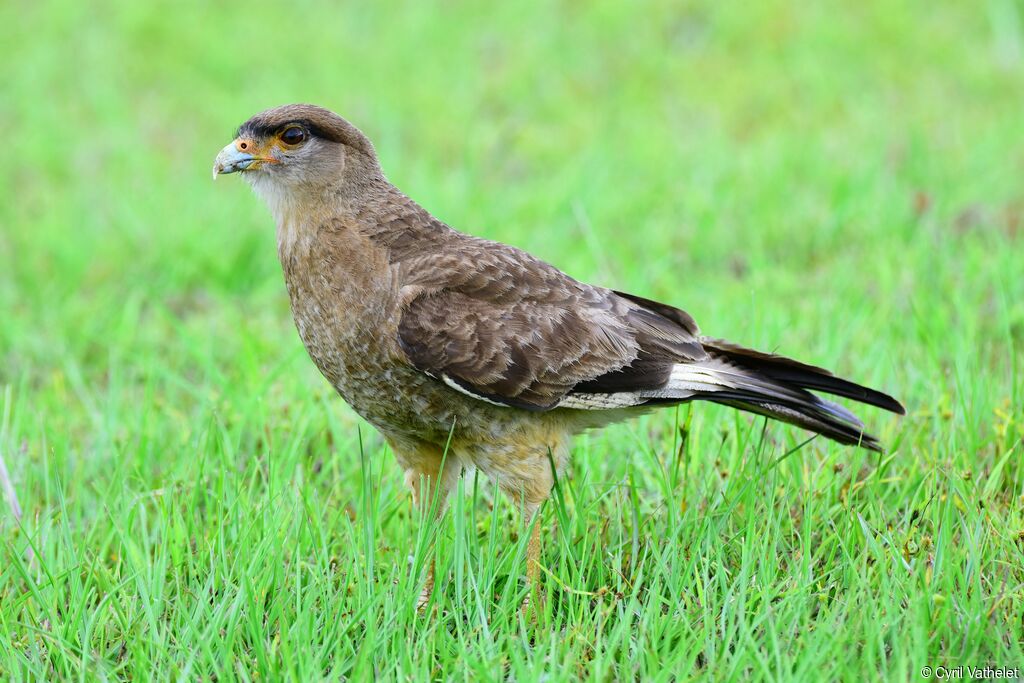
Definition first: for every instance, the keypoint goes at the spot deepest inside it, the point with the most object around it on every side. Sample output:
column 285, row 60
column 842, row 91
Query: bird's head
column 298, row 148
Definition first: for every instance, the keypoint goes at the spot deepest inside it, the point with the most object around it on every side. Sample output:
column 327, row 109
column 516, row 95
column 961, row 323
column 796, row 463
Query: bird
column 466, row 353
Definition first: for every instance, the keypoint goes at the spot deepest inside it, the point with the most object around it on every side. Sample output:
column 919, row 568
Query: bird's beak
column 237, row 156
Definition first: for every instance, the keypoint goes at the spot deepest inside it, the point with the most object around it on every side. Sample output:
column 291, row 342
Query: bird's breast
column 345, row 300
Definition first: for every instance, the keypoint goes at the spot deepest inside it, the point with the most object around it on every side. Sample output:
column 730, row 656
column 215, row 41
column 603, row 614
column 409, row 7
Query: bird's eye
column 293, row 135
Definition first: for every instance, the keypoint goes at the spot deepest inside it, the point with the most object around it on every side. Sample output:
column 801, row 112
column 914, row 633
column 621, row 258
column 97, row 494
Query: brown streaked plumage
column 429, row 333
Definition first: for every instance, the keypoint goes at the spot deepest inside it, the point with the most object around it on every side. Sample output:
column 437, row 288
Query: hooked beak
column 234, row 158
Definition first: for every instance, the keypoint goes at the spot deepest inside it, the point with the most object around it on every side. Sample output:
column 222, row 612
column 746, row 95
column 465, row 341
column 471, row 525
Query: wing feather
column 511, row 329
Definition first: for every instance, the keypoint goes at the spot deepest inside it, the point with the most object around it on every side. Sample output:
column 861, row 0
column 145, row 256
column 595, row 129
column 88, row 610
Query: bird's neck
column 334, row 269
column 299, row 217
column 297, row 224
column 376, row 217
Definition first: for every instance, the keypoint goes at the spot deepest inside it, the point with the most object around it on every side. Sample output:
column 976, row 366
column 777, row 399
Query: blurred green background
column 840, row 182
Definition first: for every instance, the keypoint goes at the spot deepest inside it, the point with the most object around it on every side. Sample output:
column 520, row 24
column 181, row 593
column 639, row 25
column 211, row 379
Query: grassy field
column 837, row 181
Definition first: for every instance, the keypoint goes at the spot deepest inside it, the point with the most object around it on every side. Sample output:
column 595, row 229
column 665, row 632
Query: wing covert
column 497, row 324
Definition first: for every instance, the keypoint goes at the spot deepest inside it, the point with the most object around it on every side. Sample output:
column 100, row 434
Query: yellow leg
column 533, row 556
column 533, row 594
column 527, row 476
column 421, row 503
column 427, row 473
column 428, row 587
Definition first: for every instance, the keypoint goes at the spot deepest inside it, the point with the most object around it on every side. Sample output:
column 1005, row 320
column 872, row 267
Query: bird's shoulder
column 430, row 256
column 495, row 272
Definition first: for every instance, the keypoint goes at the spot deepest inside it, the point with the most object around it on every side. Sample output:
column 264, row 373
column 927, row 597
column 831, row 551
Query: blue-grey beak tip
column 231, row 160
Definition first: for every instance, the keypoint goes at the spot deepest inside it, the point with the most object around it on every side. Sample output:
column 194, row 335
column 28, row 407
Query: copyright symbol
column 926, row 671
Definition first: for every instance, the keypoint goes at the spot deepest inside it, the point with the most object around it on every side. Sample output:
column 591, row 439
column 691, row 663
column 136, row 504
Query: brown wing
column 493, row 322
column 498, row 324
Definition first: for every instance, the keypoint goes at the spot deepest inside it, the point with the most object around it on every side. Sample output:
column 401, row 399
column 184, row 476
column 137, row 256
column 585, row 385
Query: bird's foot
column 424, row 599
column 533, row 604
column 427, row 592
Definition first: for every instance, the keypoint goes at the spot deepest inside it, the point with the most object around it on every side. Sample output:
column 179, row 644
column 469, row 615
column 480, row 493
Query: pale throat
column 287, row 209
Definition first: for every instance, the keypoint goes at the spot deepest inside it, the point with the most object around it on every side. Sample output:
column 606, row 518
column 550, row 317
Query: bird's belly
column 397, row 399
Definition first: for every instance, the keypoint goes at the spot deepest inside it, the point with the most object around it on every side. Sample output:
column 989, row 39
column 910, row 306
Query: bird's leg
column 430, row 475
column 421, row 500
column 531, row 517
column 531, row 520
column 530, row 500
column 530, row 469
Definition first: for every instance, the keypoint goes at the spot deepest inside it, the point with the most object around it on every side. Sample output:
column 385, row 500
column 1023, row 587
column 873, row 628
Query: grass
column 838, row 183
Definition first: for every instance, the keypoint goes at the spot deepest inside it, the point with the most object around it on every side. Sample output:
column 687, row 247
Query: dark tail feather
column 808, row 416
column 795, row 373
column 779, row 388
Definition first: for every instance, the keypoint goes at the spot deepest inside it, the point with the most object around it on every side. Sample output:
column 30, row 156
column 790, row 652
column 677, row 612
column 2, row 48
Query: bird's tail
column 780, row 388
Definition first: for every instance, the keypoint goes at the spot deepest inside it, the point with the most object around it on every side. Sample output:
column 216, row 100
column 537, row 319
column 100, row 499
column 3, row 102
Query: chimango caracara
column 429, row 333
